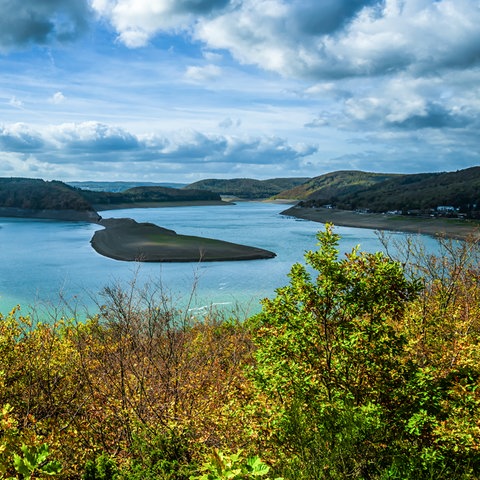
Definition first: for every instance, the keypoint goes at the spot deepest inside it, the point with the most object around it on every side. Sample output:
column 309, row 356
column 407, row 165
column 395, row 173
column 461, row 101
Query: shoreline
column 127, row 240
column 451, row 228
column 99, row 207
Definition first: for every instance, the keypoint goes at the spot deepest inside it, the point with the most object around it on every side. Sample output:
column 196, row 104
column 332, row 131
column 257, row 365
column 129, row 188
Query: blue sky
column 180, row 90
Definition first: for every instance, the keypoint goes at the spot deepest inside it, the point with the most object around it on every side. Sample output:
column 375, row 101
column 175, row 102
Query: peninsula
column 449, row 227
column 126, row 239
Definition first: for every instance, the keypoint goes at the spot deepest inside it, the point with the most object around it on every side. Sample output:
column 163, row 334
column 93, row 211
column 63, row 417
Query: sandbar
column 448, row 227
column 127, row 240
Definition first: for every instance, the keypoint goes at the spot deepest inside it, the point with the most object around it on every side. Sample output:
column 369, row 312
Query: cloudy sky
column 180, row 90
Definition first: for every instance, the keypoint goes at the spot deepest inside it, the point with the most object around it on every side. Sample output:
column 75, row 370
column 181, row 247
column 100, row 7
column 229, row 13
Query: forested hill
column 144, row 195
column 248, row 188
column 37, row 194
column 352, row 190
column 335, row 184
column 27, row 197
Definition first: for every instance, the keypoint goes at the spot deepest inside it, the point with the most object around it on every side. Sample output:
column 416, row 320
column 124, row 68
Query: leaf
column 20, row 466
column 258, row 468
column 52, row 468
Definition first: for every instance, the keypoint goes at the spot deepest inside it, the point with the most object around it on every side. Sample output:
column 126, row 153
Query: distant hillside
column 120, row 186
column 328, row 187
column 248, row 188
column 27, row 197
column 144, row 195
column 36, row 198
column 381, row 193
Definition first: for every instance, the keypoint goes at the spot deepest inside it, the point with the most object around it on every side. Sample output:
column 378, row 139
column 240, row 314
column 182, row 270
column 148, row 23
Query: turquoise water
column 48, row 263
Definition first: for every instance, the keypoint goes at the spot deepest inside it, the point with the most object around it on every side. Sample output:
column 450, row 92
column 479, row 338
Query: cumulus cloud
column 317, row 122
column 136, row 21
column 19, row 137
column 91, row 144
column 196, row 147
column 267, row 150
column 311, row 38
column 415, row 103
column 433, row 115
column 92, row 137
column 335, row 39
column 202, row 74
column 57, row 98
column 190, row 146
column 25, row 22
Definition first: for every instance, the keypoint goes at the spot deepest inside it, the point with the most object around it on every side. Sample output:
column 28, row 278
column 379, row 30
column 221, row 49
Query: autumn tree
column 347, row 391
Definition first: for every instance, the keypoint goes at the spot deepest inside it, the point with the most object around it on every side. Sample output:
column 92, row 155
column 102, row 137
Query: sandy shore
column 452, row 228
column 125, row 239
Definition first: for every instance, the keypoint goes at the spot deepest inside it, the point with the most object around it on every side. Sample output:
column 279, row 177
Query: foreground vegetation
column 363, row 366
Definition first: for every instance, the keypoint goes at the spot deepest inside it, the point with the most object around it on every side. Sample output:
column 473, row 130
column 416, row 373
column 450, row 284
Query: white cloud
column 408, row 102
column 331, row 40
column 309, row 38
column 91, row 146
column 19, row 137
column 202, row 74
column 230, row 123
column 15, row 102
column 57, row 98
column 317, row 122
column 136, row 21
column 92, row 137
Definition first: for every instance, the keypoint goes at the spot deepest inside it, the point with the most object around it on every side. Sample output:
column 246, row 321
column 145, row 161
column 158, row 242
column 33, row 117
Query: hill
column 351, row 190
column 460, row 189
column 119, row 186
column 248, row 188
column 36, row 198
column 27, row 197
column 331, row 185
column 142, row 196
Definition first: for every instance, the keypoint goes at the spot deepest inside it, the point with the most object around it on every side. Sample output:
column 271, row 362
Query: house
column 446, row 208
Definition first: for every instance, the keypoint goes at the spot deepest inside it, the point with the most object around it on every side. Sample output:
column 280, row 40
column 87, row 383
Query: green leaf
column 52, row 468
column 258, row 468
column 20, row 465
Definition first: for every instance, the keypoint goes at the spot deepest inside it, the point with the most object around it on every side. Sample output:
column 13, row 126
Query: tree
column 329, row 361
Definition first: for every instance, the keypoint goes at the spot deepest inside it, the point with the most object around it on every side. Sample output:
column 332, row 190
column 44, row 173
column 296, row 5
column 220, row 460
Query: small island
column 125, row 239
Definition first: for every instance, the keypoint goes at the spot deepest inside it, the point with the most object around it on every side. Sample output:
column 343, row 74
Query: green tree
column 329, row 362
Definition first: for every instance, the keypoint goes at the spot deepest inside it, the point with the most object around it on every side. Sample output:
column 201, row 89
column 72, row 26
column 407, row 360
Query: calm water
column 41, row 261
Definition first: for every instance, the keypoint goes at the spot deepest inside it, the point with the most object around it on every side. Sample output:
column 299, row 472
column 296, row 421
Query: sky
column 183, row 90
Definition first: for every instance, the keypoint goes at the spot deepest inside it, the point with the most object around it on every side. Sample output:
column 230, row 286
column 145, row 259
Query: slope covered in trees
column 54, row 199
column 380, row 193
column 335, row 184
column 248, row 188
column 362, row 366
column 36, row 198
column 39, row 194
column 144, row 195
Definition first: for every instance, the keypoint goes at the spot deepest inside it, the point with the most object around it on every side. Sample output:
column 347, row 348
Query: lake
column 44, row 263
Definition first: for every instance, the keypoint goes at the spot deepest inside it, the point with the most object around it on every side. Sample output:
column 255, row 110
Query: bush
column 346, row 393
